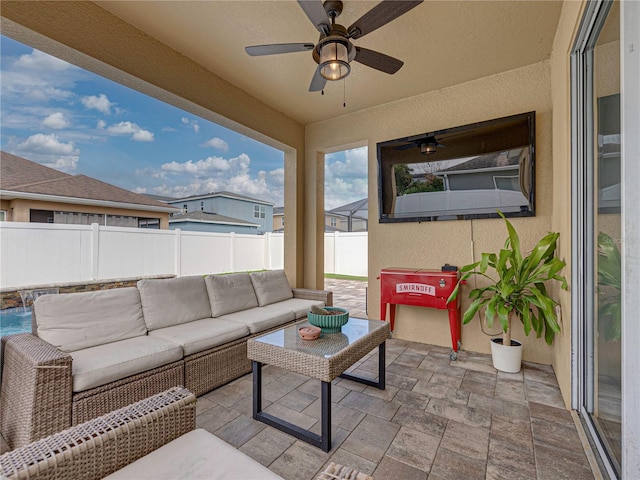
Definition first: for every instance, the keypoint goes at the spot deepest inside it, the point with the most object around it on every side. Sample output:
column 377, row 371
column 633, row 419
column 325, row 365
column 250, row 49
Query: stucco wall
column 430, row 245
column 19, row 210
column 561, row 148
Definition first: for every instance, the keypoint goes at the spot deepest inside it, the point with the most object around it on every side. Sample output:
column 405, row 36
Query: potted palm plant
column 517, row 291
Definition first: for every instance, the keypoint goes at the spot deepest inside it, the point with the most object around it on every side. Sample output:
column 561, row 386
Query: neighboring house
column 211, row 222
column 234, row 207
column 487, row 172
column 352, row 217
column 31, row 192
column 338, row 219
column 278, row 219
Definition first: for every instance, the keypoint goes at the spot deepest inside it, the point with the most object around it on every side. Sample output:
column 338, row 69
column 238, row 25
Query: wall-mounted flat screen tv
column 459, row 173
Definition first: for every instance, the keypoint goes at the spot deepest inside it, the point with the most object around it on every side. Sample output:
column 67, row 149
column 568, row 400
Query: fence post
column 336, row 262
column 177, row 255
column 267, row 251
column 232, row 256
column 95, row 251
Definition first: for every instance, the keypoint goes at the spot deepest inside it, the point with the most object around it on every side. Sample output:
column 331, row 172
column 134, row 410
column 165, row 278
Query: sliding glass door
column 597, row 228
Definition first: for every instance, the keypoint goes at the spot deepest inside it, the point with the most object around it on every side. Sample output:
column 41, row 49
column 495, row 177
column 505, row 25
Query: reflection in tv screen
column 437, row 176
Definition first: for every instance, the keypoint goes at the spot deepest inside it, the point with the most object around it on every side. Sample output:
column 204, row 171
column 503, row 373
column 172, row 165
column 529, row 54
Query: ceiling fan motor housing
column 333, row 8
column 337, row 34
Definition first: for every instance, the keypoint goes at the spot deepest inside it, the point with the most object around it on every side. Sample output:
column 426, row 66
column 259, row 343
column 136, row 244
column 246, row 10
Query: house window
column 259, row 211
column 3, row 215
column 333, row 222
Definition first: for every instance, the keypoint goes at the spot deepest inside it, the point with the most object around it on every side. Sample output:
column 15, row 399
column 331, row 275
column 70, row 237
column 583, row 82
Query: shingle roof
column 492, row 160
column 223, row 193
column 208, row 217
column 21, row 175
column 17, row 171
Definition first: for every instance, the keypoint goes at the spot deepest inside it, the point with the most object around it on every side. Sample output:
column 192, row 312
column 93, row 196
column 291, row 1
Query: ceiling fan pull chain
column 344, row 93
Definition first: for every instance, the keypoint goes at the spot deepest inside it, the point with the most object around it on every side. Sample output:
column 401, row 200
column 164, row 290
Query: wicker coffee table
column 324, row 359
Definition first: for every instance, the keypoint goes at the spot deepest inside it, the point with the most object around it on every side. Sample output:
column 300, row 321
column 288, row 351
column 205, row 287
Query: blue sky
column 70, row 119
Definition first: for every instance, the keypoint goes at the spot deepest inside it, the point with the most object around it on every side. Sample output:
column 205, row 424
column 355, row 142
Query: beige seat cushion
column 271, row 286
column 200, row 335
column 300, row 306
column 173, row 301
column 230, row 293
column 74, row 321
column 100, row 365
column 262, row 318
column 195, row 455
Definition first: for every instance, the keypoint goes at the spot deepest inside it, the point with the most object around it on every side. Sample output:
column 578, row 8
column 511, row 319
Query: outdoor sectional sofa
column 91, row 353
column 150, row 439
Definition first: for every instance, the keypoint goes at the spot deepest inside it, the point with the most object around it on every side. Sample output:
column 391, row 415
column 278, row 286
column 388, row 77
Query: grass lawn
column 345, row 277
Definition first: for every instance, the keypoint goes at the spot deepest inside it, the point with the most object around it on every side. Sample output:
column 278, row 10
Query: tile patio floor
column 436, row 420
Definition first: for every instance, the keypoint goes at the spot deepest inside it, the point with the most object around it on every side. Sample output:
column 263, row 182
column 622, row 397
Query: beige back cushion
column 73, row 321
column 173, row 301
column 230, row 293
column 271, row 286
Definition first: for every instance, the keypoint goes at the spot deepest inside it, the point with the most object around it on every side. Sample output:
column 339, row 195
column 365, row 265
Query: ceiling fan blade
column 317, row 82
column 378, row 60
column 407, row 146
column 276, row 48
column 380, row 15
column 316, row 13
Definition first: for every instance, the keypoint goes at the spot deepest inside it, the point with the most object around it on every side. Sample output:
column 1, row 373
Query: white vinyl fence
column 40, row 253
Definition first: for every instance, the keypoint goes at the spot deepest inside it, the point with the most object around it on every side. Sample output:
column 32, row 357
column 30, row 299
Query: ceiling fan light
column 334, row 61
column 427, row 148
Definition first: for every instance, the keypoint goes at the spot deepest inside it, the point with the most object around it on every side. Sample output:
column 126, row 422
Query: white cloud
column 50, row 151
column 211, row 174
column 47, row 144
column 56, row 120
column 41, row 61
column 128, row 128
column 142, row 136
column 345, row 177
column 100, row 125
column 192, row 123
column 100, row 103
column 218, row 143
column 209, row 165
column 64, row 164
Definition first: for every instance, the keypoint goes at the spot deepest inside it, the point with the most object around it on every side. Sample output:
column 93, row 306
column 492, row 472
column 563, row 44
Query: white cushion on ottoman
column 195, row 455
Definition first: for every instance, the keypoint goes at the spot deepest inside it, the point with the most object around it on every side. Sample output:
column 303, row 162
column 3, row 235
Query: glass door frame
column 582, row 194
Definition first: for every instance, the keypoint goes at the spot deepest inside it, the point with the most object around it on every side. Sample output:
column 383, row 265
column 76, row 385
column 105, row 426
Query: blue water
column 15, row 320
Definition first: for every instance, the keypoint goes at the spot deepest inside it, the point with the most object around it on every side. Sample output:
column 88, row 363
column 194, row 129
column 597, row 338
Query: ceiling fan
column 334, row 50
column 426, row 144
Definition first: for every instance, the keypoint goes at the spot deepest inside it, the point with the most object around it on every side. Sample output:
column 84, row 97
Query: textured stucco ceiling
column 442, row 43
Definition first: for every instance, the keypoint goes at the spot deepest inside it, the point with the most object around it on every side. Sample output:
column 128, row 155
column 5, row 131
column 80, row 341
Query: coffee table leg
column 326, row 416
column 381, row 383
column 322, row 441
column 257, row 388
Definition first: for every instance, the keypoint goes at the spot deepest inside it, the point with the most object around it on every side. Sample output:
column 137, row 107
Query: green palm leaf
column 519, row 287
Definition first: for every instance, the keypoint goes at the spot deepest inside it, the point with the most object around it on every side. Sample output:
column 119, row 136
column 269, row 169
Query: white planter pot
column 506, row 359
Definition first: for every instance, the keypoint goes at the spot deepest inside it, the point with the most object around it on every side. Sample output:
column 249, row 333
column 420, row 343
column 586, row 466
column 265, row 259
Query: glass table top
column 328, row 344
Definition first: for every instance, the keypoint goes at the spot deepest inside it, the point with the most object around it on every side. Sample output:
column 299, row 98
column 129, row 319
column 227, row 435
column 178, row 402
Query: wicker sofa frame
column 103, row 445
column 37, row 400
